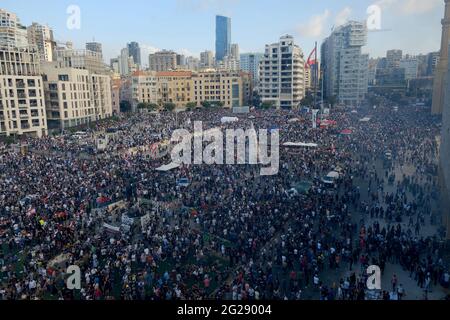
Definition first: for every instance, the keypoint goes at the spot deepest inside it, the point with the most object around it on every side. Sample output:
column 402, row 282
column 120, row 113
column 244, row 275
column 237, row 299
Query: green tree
column 191, row 106
column 125, row 106
column 152, row 107
column 142, row 105
column 206, row 104
column 169, row 106
column 266, row 105
column 308, row 100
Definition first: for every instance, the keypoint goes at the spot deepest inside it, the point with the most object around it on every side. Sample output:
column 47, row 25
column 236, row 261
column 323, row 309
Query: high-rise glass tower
column 223, row 37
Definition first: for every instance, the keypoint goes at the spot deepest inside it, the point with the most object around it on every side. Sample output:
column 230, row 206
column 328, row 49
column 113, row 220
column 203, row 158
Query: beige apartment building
column 75, row 96
column 218, row 86
column 22, row 105
column 175, row 87
column 183, row 87
column 163, row 61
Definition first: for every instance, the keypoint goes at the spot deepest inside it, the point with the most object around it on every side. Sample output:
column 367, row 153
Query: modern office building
column 282, row 74
column 135, row 51
column 344, row 67
column 163, row 61
column 249, row 62
column 22, row 104
column 115, row 65
column 41, row 36
column 223, row 37
column 441, row 70
column 12, row 33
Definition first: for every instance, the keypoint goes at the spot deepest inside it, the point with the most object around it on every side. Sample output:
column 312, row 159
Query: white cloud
column 343, row 16
column 314, row 27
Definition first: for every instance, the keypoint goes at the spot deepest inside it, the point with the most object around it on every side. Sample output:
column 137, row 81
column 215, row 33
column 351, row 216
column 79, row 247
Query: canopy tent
column 300, row 144
column 229, row 120
column 168, row 167
column 365, row 119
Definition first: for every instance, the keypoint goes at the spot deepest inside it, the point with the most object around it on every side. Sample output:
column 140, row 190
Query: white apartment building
column 12, row 33
column 42, row 37
column 22, row 105
column 282, row 74
column 144, row 88
column 345, row 68
column 79, row 88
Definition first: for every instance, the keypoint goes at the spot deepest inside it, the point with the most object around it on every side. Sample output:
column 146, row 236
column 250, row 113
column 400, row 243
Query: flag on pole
column 311, row 61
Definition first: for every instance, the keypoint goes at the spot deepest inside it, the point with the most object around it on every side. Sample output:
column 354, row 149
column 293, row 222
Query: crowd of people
column 229, row 233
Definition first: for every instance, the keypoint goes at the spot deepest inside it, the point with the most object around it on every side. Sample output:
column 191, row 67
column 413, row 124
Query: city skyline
column 196, row 19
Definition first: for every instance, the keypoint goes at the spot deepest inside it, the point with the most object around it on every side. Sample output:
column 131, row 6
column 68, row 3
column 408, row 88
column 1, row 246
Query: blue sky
column 187, row 26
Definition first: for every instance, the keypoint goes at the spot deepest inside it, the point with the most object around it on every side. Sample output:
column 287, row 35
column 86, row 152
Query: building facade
column 95, row 47
column 344, row 67
column 75, row 96
column 42, row 37
column 144, row 88
column 249, row 62
column 163, row 61
column 22, row 104
column 206, row 59
column 445, row 151
column 393, row 58
column 12, row 33
column 135, row 51
column 282, row 74
column 411, row 66
column 223, row 37
column 175, row 87
column 218, row 87
column 441, row 70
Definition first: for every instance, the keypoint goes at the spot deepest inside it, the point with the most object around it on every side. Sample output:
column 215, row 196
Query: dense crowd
column 231, row 233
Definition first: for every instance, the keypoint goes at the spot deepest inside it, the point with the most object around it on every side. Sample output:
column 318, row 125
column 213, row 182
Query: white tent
column 293, row 120
column 300, row 144
column 366, row 119
column 333, row 174
column 229, row 119
column 168, row 167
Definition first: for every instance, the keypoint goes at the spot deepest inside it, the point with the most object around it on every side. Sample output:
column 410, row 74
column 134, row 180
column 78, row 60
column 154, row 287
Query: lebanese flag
column 310, row 60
